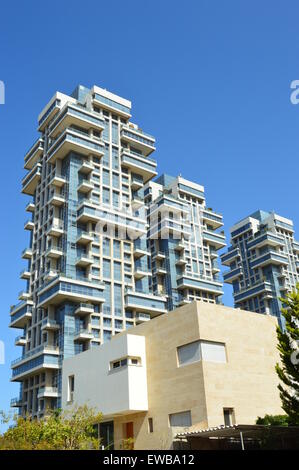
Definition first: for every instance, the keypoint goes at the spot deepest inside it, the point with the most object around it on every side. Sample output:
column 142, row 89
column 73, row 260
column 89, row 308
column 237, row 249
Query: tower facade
column 263, row 262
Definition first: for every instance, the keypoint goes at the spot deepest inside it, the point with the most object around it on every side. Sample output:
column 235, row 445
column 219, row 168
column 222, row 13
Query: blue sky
column 210, row 79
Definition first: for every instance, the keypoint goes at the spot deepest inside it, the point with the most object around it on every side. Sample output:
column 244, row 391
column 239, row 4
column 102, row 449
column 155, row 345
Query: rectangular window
column 71, row 388
column 229, row 416
column 201, row 350
column 182, row 419
column 150, row 425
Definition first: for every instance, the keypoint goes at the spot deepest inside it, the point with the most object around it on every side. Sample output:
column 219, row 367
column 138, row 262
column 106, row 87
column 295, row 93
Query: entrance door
column 107, row 435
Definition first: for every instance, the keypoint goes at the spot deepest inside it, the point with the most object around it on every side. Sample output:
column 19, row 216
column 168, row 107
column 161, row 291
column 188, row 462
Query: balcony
column 254, row 290
column 139, row 164
column 85, row 186
column 137, row 202
column 56, row 229
column 50, row 325
column 29, row 225
column 83, row 335
column 168, row 226
column 20, row 340
column 180, row 261
column 30, row 207
column 50, row 274
column 25, row 274
column 54, row 251
column 296, row 246
column 38, row 359
column 84, row 309
column 200, row 283
column 143, row 302
column 66, row 289
column 57, row 199
column 228, row 257
column 136, row 182
column 215, row 239
column 73, row 141
column 27, row 253
column 180, row 246
column 213, row 219
column 31, row 180
column 140, row 249
column 83, row 260
column 34, row 154
column 138, row 139
column 161, row 270
column 271, row 257
column 142, row 317
column 58, row 180
column 20, row 314
column 265, row 239
column 49, row 114
column 232, row 275
column 86, row 167
column 73, row 115
column 111, row 105
column 23, row 295
column 48, row 392
column 84, row 237
column 16, row 402
column 160, row 255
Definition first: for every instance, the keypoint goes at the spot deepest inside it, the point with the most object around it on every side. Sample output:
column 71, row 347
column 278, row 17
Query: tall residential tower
column 92, row 266
column 263, row 262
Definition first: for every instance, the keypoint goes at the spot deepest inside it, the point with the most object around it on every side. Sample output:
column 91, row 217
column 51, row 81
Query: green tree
column 75, row 429
column 273, row 420
column 288, row 370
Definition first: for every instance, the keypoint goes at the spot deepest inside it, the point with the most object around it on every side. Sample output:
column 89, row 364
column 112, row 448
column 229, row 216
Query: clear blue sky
column 210, row 79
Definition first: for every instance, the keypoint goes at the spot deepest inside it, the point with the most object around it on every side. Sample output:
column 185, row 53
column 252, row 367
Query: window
column 229, row 416
column 201, row 350
column 71, row 388
column 150, row 425
column 189, row 353
column 182, row 419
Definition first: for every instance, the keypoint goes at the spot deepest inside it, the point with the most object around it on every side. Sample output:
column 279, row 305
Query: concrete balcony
column 180, row 261
column 16, row 402
column 27, row 253
column 145, row 303
column 74, row 141
column 50, row 274
column 34, row 154
column 263, row 287
column 83, row 336
column 58, row 180
column 76, row 116
column 50, row 325
column 180, row 246
column 63, row 289
column 20, row 340
column 85, row 186
column 29, row 225
column 86, row 167
column 25, row 274
column 141, row 318
column 84, row 309
column 214, row 238
column 23, row 295
column 161, row 270
column 136, row 182
column 20, row 314
column 57, row 199
column 56, row 229
column 30, row 207
column 265, row 239
column 271, row 257
column 84, row 237
column 83, row 260
column 228, row 257
column 111, row 105
column 48, row 392
column 138, row 139
column 212, row 219
column 159, row 256
column 54, row 251
column 137, row 202
column 31, row 180
column 233, row 274
column 199, row 283
column 139, row 164
column 140, row 273
column 49, row 113
column 38, row 360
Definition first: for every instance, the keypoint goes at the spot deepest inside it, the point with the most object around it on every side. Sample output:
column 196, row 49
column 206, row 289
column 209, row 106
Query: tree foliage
column 288, row 344
column 74, row 429
column 273, row 420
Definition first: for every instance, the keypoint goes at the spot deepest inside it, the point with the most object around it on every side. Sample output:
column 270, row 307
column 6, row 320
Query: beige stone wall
column 247, row 382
